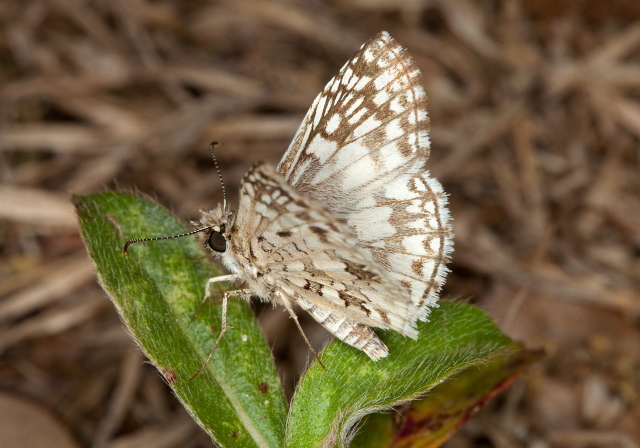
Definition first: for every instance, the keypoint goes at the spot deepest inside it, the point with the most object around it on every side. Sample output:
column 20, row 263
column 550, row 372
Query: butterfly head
column 216, row 224
column 215, row 236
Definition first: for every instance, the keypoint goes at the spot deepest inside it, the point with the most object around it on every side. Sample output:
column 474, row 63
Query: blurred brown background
column 535, row 109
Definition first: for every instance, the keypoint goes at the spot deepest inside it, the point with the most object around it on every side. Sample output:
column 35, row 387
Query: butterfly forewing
column 361, row 151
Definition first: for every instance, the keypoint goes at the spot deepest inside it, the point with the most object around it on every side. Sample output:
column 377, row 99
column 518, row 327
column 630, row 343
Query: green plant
column 459, row 360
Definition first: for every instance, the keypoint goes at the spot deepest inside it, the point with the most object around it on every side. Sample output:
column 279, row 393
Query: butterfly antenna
column 215, row 162
column 142, row 240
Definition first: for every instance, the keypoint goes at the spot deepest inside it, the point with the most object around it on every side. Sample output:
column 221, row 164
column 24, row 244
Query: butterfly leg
column 288, row 307
column 221, row 278
column 207, row 289
column 223, row 327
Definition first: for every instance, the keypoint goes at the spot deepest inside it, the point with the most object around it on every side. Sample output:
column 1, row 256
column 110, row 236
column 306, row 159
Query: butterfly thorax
column 216, row 239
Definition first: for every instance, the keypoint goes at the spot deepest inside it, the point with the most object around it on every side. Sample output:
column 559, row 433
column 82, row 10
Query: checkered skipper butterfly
column 349, row 226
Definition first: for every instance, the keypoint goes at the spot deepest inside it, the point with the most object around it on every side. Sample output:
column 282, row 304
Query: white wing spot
column 333, row 124
column 354, row 176
column 354, row 106
column 381, row 97
column 382, row 80
column 362, row 82
column 357, row 116
column 366, row 126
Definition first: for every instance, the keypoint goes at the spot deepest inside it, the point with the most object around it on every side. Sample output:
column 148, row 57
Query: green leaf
column 157, row 290
column 330, row 402
column 431, row 420
column 377, row 431
column 460, row 360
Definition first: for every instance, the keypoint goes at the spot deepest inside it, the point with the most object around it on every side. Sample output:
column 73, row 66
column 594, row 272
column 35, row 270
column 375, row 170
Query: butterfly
column 350, row 226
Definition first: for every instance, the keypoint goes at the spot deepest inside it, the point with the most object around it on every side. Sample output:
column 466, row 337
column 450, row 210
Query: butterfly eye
column 217, row 242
